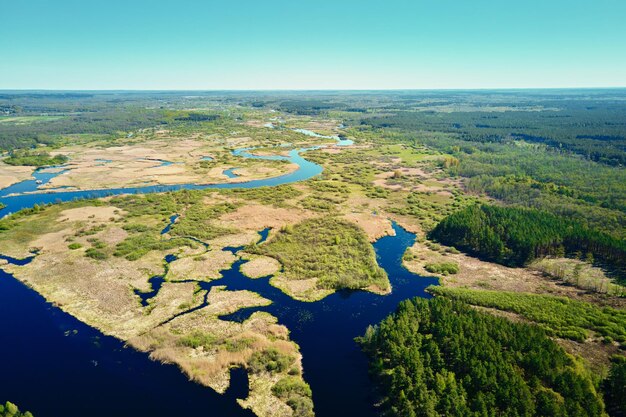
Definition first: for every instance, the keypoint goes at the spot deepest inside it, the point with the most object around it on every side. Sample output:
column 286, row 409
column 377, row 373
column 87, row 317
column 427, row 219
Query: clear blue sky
column 311, row 44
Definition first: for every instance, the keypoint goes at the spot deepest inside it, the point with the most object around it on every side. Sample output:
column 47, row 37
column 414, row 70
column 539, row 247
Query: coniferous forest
column 516, row 236
column 442, row 357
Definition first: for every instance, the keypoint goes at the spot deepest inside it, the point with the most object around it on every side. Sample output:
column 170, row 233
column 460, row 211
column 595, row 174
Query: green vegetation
column 197, row 338
column 36, row 158
column 137, row 245
column 614, row 387
column 71, row 114
column 516, row 236
column 579, row 274
column 96, row 254
column 553, row 160
column 572, row 125
column 197, row 221
column 297, row 394
column 558, row 316
column 444, row 268
column 560, row 153
column 441, row 357
column 332, row 250
column 11, row 410
column 270, row 360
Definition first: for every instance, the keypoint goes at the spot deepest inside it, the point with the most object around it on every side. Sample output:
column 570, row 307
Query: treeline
column 515, row 236
column 614, row 387
column 102, row 122
column 584, row 127
column 558, row 316
column 442, row 357
column 44, row 118
column 308, row 107
column 36, row 158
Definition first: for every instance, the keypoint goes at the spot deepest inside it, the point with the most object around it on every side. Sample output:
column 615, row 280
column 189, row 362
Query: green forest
column 441, row 357
column 516, row 236
column 558, row 316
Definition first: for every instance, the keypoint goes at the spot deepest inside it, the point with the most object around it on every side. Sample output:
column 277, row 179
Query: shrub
column 11, row 410
column 197, row 339
column 95, row 254
column 443, row 268
column 270, row 360
column 297, row 395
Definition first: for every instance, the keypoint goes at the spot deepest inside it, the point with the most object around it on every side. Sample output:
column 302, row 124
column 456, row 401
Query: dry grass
column 259, row 266
column 139, row 163
column 477, row 274
column 302, row 289
column 210, row 365
column 204, row 267
column 579, row 274
column 10, row 174
column 90, row 214
column 374, row 226
column 257, row 217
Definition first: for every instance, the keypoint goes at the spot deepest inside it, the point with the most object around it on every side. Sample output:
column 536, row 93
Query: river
column 56, row 366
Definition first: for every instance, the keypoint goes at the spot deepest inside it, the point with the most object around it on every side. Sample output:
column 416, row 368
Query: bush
column 197, row 339
column 270, row 360
column 74, row 246
column 297, row 395
column 95, row 254
column 443, row 268
column 36, row 158
column 11, row 410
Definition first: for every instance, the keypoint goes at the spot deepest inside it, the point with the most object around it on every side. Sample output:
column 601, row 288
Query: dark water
column 325, row 330
column 56, row 366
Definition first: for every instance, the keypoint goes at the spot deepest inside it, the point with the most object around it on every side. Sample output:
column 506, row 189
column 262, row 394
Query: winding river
column 56, row 366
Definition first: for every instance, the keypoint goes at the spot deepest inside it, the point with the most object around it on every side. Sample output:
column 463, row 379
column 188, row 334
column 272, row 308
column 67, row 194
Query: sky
column 311, row 44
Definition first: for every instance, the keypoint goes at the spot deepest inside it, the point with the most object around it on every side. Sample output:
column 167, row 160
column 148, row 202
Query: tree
column 614, row 388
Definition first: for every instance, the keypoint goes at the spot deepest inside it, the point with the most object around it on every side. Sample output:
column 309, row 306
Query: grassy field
column 332, row 251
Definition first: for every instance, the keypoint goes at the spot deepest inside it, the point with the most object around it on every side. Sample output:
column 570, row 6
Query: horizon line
column 4, row 90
